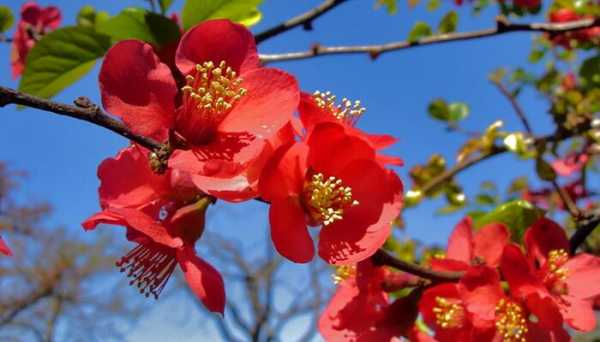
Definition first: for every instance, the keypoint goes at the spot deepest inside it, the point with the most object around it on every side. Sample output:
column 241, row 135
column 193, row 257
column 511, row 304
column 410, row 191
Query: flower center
column 343, row 272
column 557, row 274
column 348, row 111
column 510, row 321
column 327, row 198
column 449, row 313
column 149, row 268
column 211, row 91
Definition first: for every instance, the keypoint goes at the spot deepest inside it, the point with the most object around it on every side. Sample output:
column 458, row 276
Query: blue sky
column 61, row 154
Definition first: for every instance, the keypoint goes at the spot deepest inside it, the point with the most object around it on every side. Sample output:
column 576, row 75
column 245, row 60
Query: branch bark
column 382, row 258
column 503, row 26
column 304, row 19
column 83, row 109
column 585, row 227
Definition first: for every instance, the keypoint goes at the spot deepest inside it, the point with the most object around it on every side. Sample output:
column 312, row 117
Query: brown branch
column 515, row 104
column 502, row 26
column 83, row 109
column 304, row 19
column 382, row 258
column 585, row 227
column 567, row 200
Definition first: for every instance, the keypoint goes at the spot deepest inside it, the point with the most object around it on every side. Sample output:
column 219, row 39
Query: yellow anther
column 346, row 111
column 342, row 273
column 449, row 313
column 214, row 89
column 328, row 198
column 510, row 321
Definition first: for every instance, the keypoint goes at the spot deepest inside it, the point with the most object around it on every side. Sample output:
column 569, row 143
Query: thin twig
column 502, row 26
column 384, row 259
column 83, row 110
column 516, row 106
column 304, row 19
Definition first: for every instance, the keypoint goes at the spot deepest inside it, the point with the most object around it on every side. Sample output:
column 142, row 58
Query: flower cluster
column 505, row 293
column 230, row 132
column 34, row 23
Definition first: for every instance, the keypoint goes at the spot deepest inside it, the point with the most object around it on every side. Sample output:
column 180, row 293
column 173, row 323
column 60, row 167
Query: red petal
column 337, row 322
column 519, row 273
column 50, row 17
column 269, row 104
column 365, row 226
column 203, row 279
column 545, row 309
column 489, row 242
column 481, row 292
column 579, row 314
column 284, row 173
column 331, row 148
column 147, row 225
column 138, row 88
column 128, row 181
column 583, row 279
column 289, row 231
column 4, row 248
column 542, row 237
column 460, row 243
column 216, row 41
column 449, row 265
column 428, row 301
column 103, row 217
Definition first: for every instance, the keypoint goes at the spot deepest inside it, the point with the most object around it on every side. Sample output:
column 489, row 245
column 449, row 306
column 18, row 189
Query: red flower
column 220, row 118
column 332, row 180
column 4, row 248
column 321, row 107
column 566, row 40
column 549, row 271
column 466, row 248
column 572, row 163
column 360, row 311
column 164, row 218
column 549, row 198
column 35, row 22
column 477, row 309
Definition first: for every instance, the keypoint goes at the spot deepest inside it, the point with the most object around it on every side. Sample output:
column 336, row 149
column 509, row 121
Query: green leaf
column 419, row 31
column 137, row 23
column 536, row 55
column 457, row 111
column 61, row 58
column 544, row 170
column 432, row 5
column 164, row 5
column 449, row 22
column 242, row 11
column 6, row 19
column 438, row 109
column 516, row 215
column 390, row 5
column 590, row 71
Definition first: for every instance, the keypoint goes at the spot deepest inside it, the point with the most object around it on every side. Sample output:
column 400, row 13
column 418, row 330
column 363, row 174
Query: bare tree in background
column 57, row 284
column 266, row 300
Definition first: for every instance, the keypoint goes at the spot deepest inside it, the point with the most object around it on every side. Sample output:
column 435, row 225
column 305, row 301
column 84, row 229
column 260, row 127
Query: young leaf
column 590, row 71
column 544, row 170
column 449, row 22
column 241, row 11
column 438, row 109
column 6, row 19
column 61, row 58
column 516, row 215
column 457, row 111
column 137, row 23
column 419, row 31
column 391, row 5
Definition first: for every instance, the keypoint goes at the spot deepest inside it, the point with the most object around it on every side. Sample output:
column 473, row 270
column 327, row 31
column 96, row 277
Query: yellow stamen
column 213, row 88
column 327, row 198
column 510, row 321
column 347, row 111
column 342, row 273
column 449, row 313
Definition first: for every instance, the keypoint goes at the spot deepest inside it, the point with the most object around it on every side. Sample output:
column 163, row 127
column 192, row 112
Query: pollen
column 347, row 111
column 557, row 273
column 149, row 268
column 212, row 89
column 328, row 198
column 449, row 314
column 342, row 273
column 510, row 321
